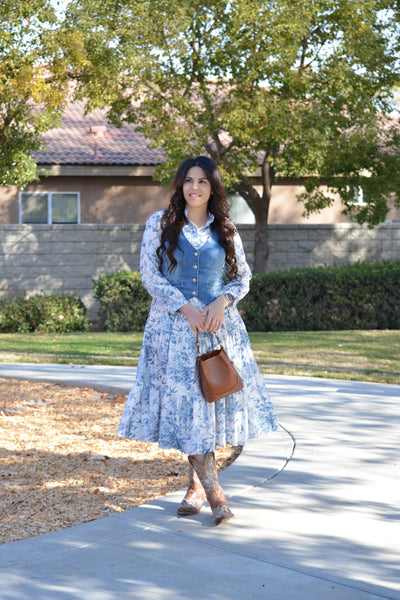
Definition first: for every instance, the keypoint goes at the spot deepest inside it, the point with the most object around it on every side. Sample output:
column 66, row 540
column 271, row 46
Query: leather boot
column 195, row 495
column 215, row 494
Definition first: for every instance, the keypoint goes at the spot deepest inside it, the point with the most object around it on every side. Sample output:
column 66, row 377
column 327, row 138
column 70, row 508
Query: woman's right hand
column 194, row 316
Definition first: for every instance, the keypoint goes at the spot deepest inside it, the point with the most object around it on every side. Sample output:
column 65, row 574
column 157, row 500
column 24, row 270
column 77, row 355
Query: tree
column 33, row 84
column 293, row 89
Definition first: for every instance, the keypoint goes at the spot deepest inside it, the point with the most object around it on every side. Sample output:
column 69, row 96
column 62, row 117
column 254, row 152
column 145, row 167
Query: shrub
column 358, row 296
column 55, row 313
column 124, row 303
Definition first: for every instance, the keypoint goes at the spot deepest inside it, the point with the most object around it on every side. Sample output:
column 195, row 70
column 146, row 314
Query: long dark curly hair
column 174, row 216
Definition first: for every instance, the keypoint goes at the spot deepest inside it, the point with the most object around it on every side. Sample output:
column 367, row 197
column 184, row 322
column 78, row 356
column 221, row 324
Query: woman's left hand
column 214, row 314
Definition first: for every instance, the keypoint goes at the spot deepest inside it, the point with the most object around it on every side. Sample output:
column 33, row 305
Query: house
column 98, row 173
column 86, row 217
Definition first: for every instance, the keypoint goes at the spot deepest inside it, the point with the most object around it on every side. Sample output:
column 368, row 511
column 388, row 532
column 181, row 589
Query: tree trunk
column 261, row 247
column 259, row 205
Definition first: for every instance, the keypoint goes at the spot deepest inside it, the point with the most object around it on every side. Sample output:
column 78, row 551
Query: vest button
column 196, row 253
column 193, row 293
column 194, row 266
column 194, row 279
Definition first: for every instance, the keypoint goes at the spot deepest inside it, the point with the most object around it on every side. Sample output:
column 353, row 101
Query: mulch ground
column 61, row 463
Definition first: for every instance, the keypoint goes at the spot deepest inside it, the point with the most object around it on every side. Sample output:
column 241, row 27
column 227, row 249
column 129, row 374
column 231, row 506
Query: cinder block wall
column 44, row 259
column 296, row 246
column 54, row 258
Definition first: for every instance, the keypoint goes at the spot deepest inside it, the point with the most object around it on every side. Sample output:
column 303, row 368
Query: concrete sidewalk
column 325, row 527
column 118, row 379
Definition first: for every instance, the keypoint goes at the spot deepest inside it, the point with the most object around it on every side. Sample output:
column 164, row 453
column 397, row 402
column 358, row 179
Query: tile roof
column 91, row 140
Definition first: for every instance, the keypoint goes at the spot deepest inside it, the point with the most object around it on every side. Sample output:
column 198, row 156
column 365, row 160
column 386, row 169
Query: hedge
column 54, row 313
column 124, row 303
column 358, row 296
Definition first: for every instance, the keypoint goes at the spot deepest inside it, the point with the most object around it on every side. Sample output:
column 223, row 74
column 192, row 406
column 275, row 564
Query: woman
column 193, row 264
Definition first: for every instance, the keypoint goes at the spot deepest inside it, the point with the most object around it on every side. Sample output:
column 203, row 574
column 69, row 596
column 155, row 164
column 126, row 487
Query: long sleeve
column 155, row 283
column 239, row 285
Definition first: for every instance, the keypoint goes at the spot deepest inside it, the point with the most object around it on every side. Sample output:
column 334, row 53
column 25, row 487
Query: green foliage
column 124, row 303
column 55, row 313
column 304, row 87
column 359, row 296
column 33, row 84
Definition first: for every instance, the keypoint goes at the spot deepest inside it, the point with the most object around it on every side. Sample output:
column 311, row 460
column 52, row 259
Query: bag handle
column 198, row 343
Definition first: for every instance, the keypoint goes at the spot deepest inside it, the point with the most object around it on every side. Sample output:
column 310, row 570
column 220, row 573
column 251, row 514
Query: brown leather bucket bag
column 217, row 374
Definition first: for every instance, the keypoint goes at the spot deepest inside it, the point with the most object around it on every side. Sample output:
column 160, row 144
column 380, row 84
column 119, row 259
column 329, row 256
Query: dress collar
column 209, row 221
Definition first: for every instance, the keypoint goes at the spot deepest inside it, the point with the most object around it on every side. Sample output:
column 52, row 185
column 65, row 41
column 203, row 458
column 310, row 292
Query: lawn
column 357, row 355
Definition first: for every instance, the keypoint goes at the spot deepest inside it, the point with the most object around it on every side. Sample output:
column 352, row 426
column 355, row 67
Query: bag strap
column 198, row 342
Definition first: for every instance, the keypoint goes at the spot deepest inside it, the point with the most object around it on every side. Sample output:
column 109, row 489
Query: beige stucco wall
column 285, row 208
column 9, row 205
column 103, row 199
column 121, row 198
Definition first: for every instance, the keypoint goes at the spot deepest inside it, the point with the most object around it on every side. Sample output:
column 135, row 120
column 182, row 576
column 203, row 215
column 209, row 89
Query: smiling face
column 196, row 189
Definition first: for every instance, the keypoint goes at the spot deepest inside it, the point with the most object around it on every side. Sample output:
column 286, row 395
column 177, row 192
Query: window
column 49, row 208
column 240, row 212
column 358, row 196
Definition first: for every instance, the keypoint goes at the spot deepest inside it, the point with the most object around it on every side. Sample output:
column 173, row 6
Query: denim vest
column 199, row 272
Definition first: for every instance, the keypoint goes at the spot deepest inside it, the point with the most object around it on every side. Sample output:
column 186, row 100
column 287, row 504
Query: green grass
column 76, row 348
column 357, row 355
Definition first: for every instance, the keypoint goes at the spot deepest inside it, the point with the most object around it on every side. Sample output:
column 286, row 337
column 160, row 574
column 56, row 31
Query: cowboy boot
column 215, row 494
column 195, row 495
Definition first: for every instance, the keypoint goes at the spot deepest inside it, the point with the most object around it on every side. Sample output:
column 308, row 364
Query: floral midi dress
column 166, row 404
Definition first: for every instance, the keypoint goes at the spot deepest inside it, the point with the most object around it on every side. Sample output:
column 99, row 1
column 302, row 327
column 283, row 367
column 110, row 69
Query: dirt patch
column 61, row 463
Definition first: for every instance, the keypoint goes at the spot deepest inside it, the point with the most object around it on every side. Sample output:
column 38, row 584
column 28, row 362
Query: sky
column 60, row 6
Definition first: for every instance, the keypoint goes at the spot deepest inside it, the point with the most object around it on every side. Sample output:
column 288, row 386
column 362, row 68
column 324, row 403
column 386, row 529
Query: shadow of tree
column 326, row 527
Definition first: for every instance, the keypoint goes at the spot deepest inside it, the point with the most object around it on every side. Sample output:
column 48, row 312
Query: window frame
column 50, row 207
column 358, row 197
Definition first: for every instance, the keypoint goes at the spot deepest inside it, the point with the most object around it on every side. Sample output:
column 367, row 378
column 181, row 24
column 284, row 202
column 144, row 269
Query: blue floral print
column 165, row 404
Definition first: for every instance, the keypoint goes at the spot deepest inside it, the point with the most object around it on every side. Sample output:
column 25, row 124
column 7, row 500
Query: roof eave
column 97, row 170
